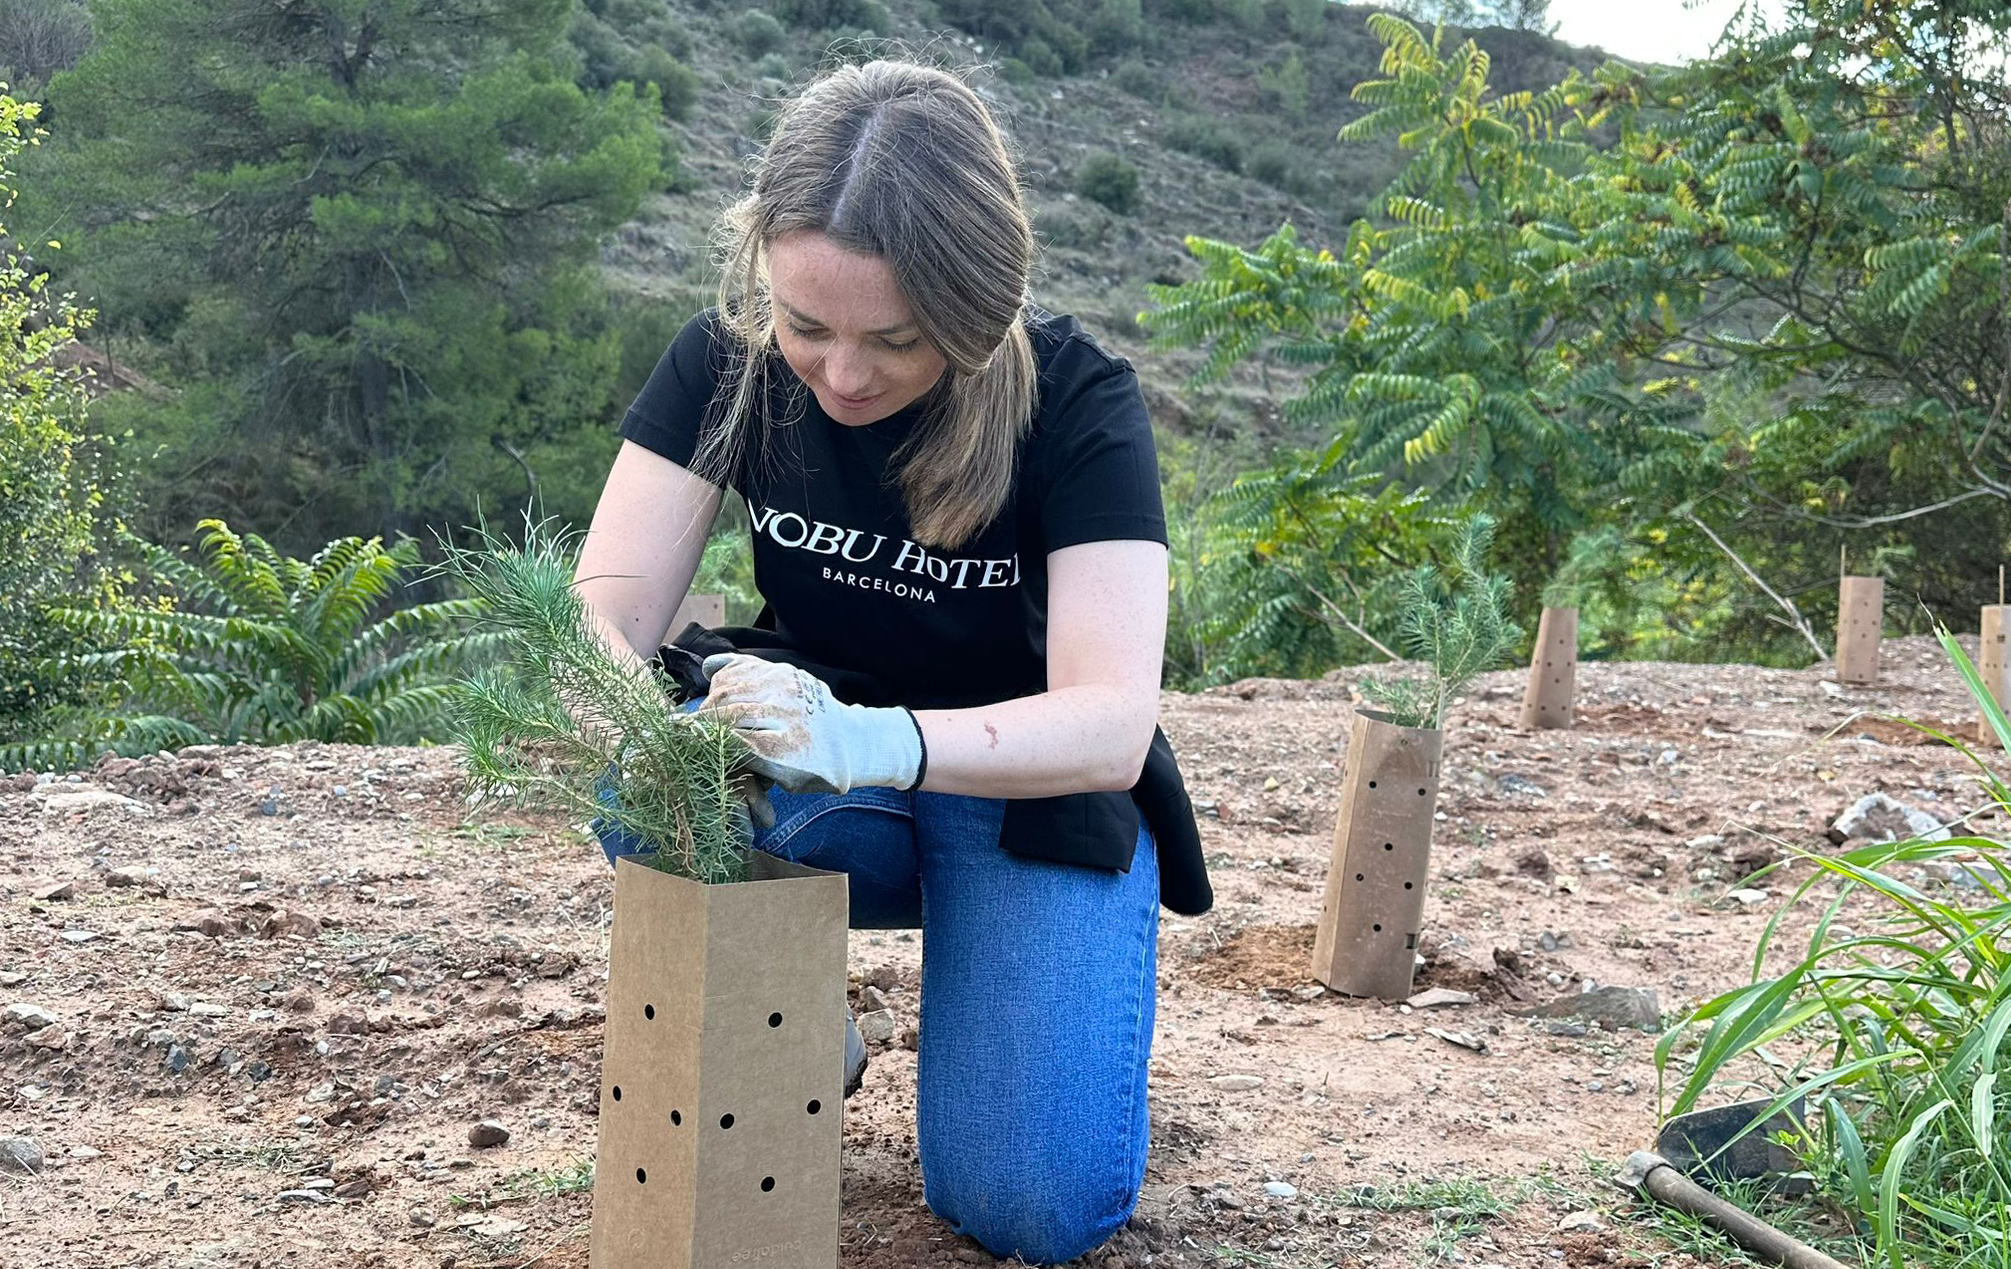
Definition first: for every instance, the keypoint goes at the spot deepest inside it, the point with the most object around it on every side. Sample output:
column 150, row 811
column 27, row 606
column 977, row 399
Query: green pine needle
column 1457, row 625
column 672, row 773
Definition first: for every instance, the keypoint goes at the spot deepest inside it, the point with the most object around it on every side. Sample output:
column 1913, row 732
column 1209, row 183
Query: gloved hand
column 806, row 740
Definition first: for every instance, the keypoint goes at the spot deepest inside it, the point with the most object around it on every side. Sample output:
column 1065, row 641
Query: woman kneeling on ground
column 954, row 686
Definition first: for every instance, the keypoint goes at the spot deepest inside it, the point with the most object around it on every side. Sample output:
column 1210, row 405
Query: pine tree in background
column 359, row 236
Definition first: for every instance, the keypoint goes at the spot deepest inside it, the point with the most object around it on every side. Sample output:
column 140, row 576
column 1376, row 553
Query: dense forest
column 298, row 288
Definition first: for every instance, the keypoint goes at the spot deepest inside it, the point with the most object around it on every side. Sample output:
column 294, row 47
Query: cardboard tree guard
column 1993, row 664
column 1366, row 943
column 707, row 610
column 722, row 1085
column 1553, row 671
column 1860, row 618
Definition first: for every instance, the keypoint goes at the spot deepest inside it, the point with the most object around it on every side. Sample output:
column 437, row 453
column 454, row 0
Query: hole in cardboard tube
column 1377, row 928
column 774, row 1019
column 1420, row 792
column 649, row 1011
column 676, row 1119
column 1389, row 845
column 1358, row 877
column 726, row 1121
column 641, row 1177
column 617, row 1092
column 1372, row 784
column 767, row 1184
column 1407, row 885
column 814, row 1106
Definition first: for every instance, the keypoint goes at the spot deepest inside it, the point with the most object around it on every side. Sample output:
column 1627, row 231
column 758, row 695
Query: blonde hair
column 904, row 162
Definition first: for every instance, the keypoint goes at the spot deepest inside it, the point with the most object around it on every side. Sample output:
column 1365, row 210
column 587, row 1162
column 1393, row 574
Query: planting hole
column 641, row 1177
column 617, row 1092
column 726, row 1121
column 814, row 1106
column 649, row 1012
column 774, row 1019
column 676, row 1119
column 767, row 1184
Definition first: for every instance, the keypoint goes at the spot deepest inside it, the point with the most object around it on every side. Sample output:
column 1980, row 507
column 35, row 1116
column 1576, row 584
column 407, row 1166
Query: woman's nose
column 847, row 371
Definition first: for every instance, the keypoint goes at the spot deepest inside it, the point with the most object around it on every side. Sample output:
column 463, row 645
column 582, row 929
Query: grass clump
column 1456, row 622
column 562, row 725
column 1900, row 1023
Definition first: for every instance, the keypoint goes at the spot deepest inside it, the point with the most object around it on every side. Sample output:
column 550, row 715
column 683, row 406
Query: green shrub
column 1014, row 71
column 758, row 33
column 1110, row 180
column 246, row 646
column 1041, row 58
column 1140, row 80
column 675, row 82
column 828, row 15
column 1206, row 138
column 1279, row 165
column 774, row 66
column 58, row 483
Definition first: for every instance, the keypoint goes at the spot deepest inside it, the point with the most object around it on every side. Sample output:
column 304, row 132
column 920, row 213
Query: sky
column 1647, row 30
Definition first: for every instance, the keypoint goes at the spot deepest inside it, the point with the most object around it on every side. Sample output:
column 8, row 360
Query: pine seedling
column 1456, row 623
column 672, row 774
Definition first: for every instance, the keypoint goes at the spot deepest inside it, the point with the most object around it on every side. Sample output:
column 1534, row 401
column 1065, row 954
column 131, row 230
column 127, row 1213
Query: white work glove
column 806, row 740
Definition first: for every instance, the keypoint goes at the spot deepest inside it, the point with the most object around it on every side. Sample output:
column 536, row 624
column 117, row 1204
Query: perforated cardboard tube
column 1553, row 670
column 1860, row 618
column 1366, row 943
column 707, row 610
column 1994, row 664
column 723, row 1080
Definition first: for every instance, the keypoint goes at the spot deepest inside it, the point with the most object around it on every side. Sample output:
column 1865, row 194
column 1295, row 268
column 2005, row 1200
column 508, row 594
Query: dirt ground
column 287, row 983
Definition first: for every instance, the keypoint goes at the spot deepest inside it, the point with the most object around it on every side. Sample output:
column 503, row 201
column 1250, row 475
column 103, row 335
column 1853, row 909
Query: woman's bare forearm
column 1086, row 738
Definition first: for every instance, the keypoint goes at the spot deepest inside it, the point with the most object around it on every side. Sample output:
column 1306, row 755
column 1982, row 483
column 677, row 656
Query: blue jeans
column 1036, row 1012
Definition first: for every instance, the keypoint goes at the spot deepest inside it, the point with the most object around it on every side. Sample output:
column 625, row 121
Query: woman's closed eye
column 819, row 333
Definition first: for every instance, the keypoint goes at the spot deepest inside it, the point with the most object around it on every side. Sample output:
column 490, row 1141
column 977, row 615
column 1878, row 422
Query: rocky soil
column 289, row 1007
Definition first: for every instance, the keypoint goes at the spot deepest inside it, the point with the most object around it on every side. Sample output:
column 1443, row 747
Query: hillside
column 1230, row 125
column 257, row 998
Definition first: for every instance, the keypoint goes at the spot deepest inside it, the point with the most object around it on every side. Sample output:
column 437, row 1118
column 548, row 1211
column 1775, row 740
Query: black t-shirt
column 845, row 583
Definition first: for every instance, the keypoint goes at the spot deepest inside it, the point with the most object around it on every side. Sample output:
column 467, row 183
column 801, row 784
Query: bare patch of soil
column 286, row 983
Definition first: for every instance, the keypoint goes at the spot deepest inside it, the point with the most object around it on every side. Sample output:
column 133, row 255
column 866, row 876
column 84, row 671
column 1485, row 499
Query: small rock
column 1705, row 842
column 20, row 1154
column 490, row 1132
column 33, row 1017
column 269, row 806
column 50, row 1039
column 1519, row 786
column 284, row 923
column 1460, row 1038
column 1442, row 997
column 871, row 998
column 358, row 1188
column 1581, row 1222
column 85, row 1152
column 177, row 1059
column 878, row 1026
column 1879, row 818
column 204, row 1009
column 120, row 879
column 1610, row 1007
column 12, row 978
column 81, row 936
column 1281, row 1189
column 51, row 891
column 1270, row 784
column 1747, row 897
column 422, row 1218
column 303, row 1196
column 299, row 1000
column 1237, row 1083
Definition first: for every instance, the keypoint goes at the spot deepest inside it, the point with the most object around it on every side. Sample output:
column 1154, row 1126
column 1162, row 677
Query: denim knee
column 1057, row 1218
